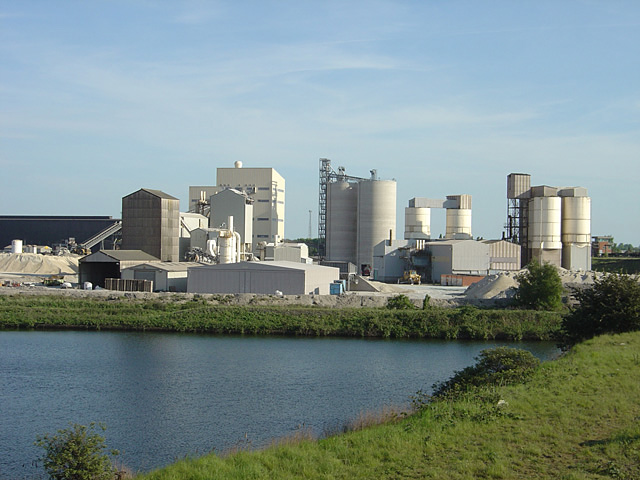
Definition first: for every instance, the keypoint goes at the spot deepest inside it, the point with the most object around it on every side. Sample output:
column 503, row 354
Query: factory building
column 265, row 186
column 98, row 266
column 550, row 224
column 458, row 257
column 433, row 260
column 262, row 278
column 53, row 230
column 355, row 215
column 165, row 276
column 232, row 202
column 189, row 222
column 151, row 223
column 390, row 260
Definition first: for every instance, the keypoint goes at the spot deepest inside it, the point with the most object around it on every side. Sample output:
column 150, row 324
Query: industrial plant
column 231, row 239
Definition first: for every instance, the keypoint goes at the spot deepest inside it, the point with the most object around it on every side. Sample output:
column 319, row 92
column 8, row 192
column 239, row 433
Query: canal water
column 164, row 396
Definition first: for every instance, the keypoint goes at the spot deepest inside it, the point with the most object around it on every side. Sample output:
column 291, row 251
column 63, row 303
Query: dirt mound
column 34, row 263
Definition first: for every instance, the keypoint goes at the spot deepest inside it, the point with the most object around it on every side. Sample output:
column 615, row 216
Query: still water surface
column 164, row 396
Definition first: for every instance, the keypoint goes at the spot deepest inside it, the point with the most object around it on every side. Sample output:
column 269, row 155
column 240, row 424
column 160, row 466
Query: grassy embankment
column 577, row 418
column 628, row 265
column 202, row 316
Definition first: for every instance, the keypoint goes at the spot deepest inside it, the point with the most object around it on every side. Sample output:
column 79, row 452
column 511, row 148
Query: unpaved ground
column 494, row 290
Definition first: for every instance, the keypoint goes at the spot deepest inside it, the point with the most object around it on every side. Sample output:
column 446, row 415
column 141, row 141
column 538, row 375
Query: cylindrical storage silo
column 227, row 250
column 458, row 222
column 376, row 216
column 16, row 246
column 576, row 220
column 544, row 223
column 576, row 233
column 417, row 223
column 342, row 221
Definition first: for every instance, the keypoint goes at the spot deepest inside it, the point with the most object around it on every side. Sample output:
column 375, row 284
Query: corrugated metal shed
column 166, row 276
column 262, row 277
column 103, row 264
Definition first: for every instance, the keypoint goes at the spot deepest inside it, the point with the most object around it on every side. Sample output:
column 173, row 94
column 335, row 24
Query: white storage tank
column 458, row 223
column 545, row 221
column 417, row 223
column 16, row 246
column 576, row 220
column 341, row 221
column 376, row 217
column 576, row 233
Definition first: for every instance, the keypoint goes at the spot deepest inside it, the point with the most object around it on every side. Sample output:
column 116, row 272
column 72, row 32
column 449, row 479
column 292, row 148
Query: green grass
column 629, row 265
column 201, row 316
column 577, row 418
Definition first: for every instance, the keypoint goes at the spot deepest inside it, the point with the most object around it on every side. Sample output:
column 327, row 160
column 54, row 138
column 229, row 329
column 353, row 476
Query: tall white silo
column 341, row 221
column 376, row 217
column 417, row 223
column 576, row 229
column 458, row 216
column 544, row 225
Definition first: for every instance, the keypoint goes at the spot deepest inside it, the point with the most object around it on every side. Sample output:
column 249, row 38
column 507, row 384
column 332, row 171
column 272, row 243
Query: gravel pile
column 34, row 263
column 504, row 284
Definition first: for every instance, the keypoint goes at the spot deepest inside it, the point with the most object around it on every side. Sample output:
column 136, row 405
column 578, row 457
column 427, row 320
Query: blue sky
column 101, row 98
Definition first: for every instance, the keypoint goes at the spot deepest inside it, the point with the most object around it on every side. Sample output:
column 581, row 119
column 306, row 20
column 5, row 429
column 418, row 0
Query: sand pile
column 501, row 285
column 34, row 263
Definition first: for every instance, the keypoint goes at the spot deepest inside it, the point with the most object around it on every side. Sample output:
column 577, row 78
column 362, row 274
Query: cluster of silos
column 417, row 217
column 554, row 223
column 360, row 214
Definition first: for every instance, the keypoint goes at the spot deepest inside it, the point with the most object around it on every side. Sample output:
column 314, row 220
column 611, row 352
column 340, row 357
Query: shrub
column 611, row 305
column 494, row 366
column 400, row 302
column 426, row 303
column 540, row 287
column 76, row 453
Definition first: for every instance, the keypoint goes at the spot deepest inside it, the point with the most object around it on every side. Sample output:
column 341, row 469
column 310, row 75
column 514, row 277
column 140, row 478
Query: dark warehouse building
column 51, row 230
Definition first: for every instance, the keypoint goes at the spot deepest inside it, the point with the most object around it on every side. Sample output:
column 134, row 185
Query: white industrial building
column 265, row 186
column 390, row 260
column 290, row 278
column 166, row 276
column 233, row 203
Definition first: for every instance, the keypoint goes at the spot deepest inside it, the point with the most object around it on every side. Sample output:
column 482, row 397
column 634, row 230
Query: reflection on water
column 165, row 396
